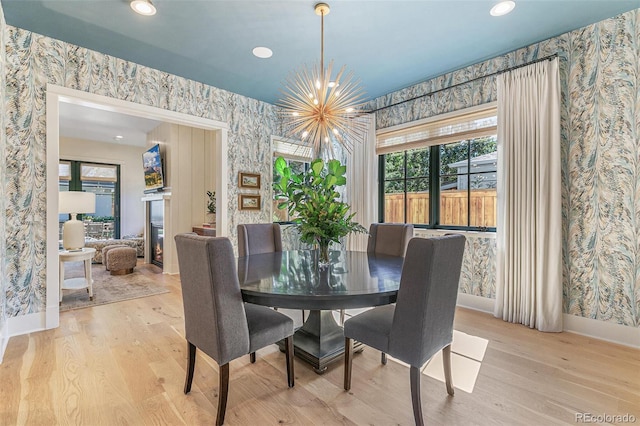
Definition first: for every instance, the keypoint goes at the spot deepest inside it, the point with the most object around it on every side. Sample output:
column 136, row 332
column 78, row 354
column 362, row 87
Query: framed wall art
column 249, row 180
column 249, row 202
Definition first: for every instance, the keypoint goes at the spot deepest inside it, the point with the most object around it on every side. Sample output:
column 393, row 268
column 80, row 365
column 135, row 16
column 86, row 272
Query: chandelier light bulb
column 314, row 109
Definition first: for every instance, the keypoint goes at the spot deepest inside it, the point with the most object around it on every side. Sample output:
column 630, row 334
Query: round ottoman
column 105, row 253
column 121, row 260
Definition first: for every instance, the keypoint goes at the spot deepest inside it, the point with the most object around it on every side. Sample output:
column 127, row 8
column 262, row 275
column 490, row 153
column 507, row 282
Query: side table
column 205, row 232
column 85, row 255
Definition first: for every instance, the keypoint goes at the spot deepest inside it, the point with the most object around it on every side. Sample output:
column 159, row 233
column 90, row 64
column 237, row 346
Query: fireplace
column 156, row 232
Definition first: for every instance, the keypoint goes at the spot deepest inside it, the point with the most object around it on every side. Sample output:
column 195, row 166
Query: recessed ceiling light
column 502, row 8
column 143, row 7
column 262, row 52
column 118, row 137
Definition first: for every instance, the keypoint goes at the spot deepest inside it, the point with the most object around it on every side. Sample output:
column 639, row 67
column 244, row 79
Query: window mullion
column 381, row 188
column 469, row 183
column 434, row 186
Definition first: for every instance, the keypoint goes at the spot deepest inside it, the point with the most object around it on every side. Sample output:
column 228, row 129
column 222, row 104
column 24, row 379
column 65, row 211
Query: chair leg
column 348, row 361
column 415, row 396
column 288, row 352
column 252, row 357
column 383, row 358
column 191, row 363
column 446, row 362
column 303, row 316
column 341, row 316
column 223, row 393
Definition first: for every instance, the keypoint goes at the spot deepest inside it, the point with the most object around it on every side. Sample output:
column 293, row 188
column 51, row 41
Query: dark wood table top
column 292, row 279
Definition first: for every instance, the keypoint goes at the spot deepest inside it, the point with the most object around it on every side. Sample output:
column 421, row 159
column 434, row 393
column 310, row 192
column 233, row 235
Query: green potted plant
column 314, row 204
column 211, row 206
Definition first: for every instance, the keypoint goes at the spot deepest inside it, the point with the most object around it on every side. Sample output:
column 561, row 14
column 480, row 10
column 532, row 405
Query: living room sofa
column 137, row 242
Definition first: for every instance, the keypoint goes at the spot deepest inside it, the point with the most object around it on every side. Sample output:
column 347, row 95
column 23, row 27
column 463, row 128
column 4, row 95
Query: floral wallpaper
column 33, row 61
column 600, row 116
column 599, row 68
column 3, row 138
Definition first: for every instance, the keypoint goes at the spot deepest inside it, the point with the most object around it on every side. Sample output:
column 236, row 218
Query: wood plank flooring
column 124, row 363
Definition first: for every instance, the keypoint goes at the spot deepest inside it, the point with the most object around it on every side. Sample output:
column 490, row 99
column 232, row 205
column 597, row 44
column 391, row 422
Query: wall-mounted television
column 152, row 164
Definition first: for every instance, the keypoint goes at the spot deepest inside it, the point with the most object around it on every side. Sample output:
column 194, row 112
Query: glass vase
column 323, row 253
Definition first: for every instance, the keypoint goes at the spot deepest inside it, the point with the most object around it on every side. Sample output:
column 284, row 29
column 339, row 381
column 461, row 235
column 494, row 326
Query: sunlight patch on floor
column 467, row 353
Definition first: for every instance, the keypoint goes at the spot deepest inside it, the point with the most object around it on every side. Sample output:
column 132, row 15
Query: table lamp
column 75, row 202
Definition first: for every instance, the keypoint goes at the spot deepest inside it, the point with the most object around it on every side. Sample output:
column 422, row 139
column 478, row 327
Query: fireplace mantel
column 156, row 196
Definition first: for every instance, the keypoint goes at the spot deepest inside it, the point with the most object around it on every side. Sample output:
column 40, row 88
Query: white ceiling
column 94, row 124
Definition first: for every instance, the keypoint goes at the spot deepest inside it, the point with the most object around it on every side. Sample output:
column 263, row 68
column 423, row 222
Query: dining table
column 295, row 279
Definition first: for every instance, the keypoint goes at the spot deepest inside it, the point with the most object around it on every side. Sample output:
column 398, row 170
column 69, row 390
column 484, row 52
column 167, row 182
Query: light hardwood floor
column 124, row 363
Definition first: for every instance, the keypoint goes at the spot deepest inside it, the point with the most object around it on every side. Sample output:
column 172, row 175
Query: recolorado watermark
column 605, row 418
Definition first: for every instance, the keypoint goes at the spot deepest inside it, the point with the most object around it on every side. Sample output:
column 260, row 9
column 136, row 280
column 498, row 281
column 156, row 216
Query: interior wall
column 3, row 167
column 188, row 155
column 131, row 175
column 33, row 61
column 600, row 150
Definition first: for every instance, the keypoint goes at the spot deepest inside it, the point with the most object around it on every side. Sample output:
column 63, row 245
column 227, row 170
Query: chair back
column 423, row 319
column 256, row 238
column 214, row 315
column 389, row 238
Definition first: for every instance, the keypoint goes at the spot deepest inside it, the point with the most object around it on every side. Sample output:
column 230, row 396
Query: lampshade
column 74, row 202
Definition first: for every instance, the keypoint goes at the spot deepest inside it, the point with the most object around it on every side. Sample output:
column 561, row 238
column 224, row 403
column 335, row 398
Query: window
column 298, row 159
column 441, row 172
column 101, row 179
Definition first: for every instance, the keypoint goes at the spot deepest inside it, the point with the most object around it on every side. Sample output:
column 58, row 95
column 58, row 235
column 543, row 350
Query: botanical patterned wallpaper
column 599, row 73
column 478, row 274
column 33, row 61
column 3, row 138
column 599, row 67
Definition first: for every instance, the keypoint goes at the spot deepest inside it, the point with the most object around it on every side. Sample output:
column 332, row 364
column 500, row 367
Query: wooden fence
column 453, row 207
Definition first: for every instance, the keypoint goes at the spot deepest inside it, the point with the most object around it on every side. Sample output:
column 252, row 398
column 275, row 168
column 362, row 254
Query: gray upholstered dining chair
column 389, row 238
column 256, row 238
column 217, row 321
column 421, row 322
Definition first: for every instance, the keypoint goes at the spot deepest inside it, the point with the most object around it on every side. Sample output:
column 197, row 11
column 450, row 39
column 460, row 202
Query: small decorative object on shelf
column 211, row 206
column 211, row 203
column 311, row 198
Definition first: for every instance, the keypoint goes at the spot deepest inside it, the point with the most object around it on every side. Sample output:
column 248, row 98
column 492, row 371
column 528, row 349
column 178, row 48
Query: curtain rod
column 535, row 61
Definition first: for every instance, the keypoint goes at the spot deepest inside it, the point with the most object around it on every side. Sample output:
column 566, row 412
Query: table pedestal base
column 320, row 341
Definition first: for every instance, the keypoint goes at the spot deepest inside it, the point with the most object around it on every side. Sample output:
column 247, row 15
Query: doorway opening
column 57, row 95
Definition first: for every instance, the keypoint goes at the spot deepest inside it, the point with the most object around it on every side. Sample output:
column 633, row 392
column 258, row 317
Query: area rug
column 107, row 288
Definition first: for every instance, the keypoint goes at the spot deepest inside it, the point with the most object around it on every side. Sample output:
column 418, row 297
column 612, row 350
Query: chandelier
column 318, row 109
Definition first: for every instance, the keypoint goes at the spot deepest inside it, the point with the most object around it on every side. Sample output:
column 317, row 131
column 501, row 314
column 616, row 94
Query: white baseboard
column 25, row 324
column 4, row 340
column 477, row 303
column 602, row 330
column 608, row 331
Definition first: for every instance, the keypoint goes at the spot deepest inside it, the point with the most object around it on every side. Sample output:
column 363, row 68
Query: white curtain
column 362, row 186
column 529, row 268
